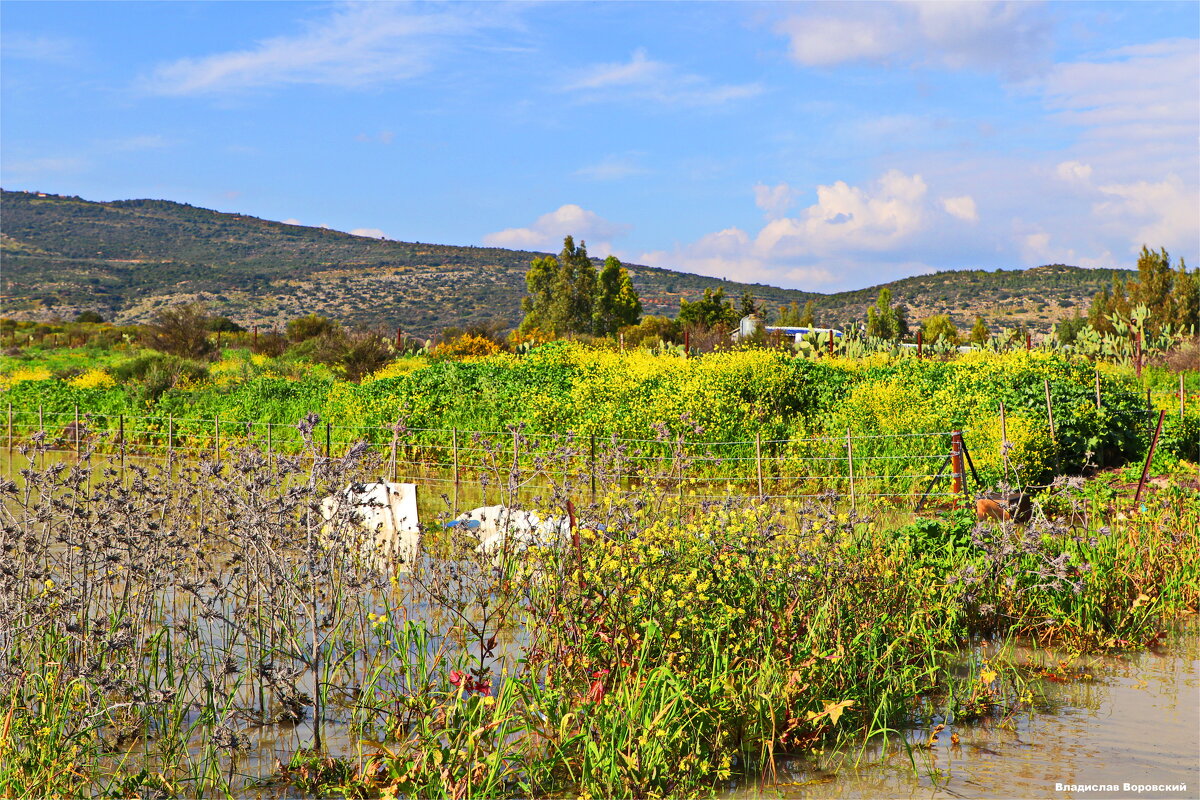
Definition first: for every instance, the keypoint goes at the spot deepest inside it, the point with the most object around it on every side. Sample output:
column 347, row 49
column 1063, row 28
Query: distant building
column 752, row 323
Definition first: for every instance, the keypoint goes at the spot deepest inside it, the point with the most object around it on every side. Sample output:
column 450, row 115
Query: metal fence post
column 328, row 438
column 216, row 438
column 10, row 428
column 121, row 443
column 592, row 467
column 850, row 466
column 758, row 461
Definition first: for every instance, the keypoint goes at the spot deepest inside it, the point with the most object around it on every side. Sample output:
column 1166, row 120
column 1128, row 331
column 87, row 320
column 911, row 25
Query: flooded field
column 1135, row 721
column 204, row 630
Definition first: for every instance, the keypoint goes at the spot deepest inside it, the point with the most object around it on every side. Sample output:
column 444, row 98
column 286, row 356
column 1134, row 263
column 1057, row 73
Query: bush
column 310, row 327
column 181, row 331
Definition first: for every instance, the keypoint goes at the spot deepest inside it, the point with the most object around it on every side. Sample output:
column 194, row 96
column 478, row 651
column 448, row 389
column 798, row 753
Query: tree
column 882, row 320
column 979, row 332
column 1067, row 331
column 789, row 316
column 562, row 292
column 224, row 325
column 747, row 307
column 89, row 316
column 709, row 311
column 180, row 330
column 617, row 303
column 1172, row 295
column 939, row 327
column 807, row 318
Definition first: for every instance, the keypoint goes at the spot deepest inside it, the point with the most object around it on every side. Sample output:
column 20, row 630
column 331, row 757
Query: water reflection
column 1136, row 722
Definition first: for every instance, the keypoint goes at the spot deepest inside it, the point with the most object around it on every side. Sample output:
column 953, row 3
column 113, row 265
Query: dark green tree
column 709, row 311
column 747, row 307
column 883, row 321
column 562, row 292
column 617, row 303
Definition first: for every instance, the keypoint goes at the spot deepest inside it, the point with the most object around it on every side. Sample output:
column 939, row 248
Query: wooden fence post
column 1137, row 498
column 216, row 437
column 454, row 455
column 920, row 342
column 515, row 477
column 1180, row 404
column 1097, row 390
column 958, row 479
column 1050, row 410
column 10, row 431
column 170, row 441
column 270, row 441
column 76, row 429
column 328, row 438
column 121, row 442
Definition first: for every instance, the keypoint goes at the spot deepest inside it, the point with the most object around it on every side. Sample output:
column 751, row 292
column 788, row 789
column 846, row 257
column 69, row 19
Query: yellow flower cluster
column 93, row 379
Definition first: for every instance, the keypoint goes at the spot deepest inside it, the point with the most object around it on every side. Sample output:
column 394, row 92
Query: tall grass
column 197, row 629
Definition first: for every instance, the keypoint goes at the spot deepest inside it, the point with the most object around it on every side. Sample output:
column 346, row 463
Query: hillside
column 62, row 255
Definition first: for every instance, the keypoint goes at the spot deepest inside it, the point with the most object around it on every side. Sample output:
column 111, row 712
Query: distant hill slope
column 62, row 255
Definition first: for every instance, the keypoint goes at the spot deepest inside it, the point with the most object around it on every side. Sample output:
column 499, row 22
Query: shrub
column 181, row 331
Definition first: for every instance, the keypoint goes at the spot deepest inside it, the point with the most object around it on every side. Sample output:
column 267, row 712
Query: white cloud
column 642, row 78
column 546, row 234
column 1011, row 38
column 34, row 167
column 383, row 137
column 292, row 221
column 1136, row 109
column 372, row 233
column 44, row 49
column 1161, row 214
column 776, row 200
column 962, row 207
column 1073, row 172
column 358, row 45
column 611, row 168
column 848, row 238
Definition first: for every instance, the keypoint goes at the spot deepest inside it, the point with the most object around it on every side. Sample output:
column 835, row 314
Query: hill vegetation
column 128, row 259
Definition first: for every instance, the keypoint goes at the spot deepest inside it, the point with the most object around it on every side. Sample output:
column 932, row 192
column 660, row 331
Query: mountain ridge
column 127, row 258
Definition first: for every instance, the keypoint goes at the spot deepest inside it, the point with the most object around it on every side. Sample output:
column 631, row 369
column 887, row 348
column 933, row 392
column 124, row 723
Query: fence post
column 42, row 428
column 399, row 338
column 850, row 465
column 592, row 467
column 454, row 455
column 255, row 340
column 1180, row 406
column 758, row 461
column 920, row 342
column 10, row 430
column 1004, row 439
column 958, row 480
column 515, row 477
column 1137, row 498
column 328, row 438
column 76, row 429
column 394, row 457
column 1097, row 390
column 121, row 443
column 216, row 436
column 1137, row 355
column 1050, row 410
column 171, row 441
column 1028, row 341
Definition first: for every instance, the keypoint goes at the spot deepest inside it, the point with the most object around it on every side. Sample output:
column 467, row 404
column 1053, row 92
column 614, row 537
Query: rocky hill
column 62, row 255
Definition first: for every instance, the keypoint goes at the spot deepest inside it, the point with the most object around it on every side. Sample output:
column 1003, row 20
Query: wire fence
column 901, row 467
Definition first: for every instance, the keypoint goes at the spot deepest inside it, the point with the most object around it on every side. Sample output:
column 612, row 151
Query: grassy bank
column 157, row 629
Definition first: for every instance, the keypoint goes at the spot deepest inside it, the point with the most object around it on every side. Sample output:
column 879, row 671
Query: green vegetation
column 566, row 296
column 203, row 614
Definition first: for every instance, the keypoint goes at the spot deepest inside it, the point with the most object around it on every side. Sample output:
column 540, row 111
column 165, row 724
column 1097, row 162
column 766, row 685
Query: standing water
column 1131, row 729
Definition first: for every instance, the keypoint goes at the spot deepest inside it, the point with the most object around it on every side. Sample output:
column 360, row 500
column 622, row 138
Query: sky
column 820, row 146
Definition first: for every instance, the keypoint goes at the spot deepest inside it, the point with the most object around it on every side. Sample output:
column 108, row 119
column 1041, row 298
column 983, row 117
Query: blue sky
column 821, row 146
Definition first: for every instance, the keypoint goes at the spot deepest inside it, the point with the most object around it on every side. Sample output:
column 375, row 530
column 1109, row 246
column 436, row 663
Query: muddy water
column 1136, row 722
